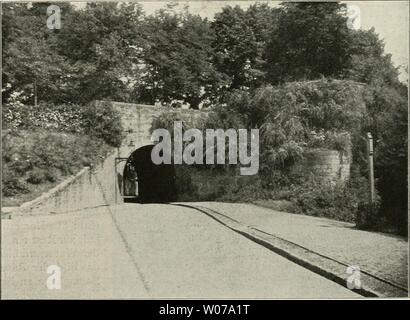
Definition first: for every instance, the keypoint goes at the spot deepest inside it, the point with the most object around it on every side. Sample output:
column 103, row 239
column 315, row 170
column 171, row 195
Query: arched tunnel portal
column 148, row 182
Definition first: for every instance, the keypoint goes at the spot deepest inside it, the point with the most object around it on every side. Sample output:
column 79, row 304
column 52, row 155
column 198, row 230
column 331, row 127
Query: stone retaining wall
column 330, row 165
column 91, row 187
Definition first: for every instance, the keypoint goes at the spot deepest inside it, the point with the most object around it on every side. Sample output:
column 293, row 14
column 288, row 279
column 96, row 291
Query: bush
column 102, row 121
column 37, row 176
column 295, row 116
column 217, row 184
column 368, row 217
column 60, row 118
column 333, row 140
column 325, row 200
column 244, row 189
column 202, row 185
column 51, row 174
column 12, row 184
column 166, row 120
column 390, row 133
column 340, row 201
column 36, row 158
column 186, row 189
column 96, row 119
column 326, row 104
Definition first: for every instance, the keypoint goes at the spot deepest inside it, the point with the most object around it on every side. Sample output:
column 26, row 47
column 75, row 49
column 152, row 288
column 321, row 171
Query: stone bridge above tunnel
column 136, row 120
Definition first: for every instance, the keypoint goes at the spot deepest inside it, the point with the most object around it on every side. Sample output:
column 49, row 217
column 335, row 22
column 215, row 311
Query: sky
column 389, row 18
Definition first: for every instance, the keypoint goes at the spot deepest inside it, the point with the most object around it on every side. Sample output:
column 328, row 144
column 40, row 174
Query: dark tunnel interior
column 150, row 183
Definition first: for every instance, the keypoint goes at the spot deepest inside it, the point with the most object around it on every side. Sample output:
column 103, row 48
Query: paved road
column 381, row 254
column 147, row 251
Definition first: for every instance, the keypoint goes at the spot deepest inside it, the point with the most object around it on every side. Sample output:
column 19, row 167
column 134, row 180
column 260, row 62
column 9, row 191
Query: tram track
column 329, row 267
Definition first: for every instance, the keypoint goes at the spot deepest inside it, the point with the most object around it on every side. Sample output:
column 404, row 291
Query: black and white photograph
column 194, row 150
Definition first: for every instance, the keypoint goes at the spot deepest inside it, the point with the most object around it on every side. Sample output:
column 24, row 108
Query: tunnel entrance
column 146, row 182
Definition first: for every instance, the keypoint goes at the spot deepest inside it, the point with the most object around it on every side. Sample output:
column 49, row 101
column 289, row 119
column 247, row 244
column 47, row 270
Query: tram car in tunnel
column 146, row 182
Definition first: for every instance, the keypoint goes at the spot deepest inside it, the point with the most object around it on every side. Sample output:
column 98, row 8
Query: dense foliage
column 310, row 41
column 95, row 120
column 100, row 120
column 43, row 144
column 295, row 116
column 177, row 57
column 61, row 118
column 116, row 51
column 389, row 127
column 33, row 161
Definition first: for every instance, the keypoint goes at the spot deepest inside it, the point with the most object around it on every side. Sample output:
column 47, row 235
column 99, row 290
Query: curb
column 372, row 286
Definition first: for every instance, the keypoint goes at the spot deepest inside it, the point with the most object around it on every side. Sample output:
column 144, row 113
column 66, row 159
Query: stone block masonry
column 137, row 119
column 330, row 165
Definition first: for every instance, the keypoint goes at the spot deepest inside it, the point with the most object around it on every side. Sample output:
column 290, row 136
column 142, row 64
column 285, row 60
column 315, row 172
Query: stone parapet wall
column 137, row 119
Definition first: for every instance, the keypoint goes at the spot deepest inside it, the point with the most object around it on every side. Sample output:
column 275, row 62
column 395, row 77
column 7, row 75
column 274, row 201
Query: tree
column 177, row 59
column 101, row 43
column 31, row 64
column 240, row 43
column 311, row 41
column 369, row 63
column 263, row 20
column 235, row 45
column 391, row 167
column 387, row 111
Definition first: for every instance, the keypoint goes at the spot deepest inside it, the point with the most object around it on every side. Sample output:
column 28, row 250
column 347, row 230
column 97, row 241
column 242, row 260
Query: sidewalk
column 381, row 255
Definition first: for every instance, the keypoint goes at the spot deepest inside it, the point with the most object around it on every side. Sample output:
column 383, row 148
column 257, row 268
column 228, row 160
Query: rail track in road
column 333, row 269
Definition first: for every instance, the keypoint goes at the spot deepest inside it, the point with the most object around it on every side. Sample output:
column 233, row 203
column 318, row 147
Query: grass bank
column 44, row 144
column 35, row 161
